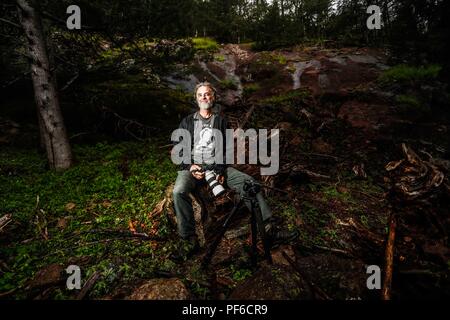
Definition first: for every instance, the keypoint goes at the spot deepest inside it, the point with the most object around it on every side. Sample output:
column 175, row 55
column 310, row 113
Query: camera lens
column 216, row 187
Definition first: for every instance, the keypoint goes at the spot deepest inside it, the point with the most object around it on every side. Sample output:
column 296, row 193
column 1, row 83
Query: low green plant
column 409, row 74
column 228, row 84
column 205, row 44
column 61, row 214
column 251, row 88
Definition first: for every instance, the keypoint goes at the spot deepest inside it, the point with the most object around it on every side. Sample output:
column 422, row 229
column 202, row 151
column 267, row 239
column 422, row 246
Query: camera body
column 210, row 177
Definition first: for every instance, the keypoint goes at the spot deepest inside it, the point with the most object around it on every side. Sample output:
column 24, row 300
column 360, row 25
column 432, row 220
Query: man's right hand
column 197, row 174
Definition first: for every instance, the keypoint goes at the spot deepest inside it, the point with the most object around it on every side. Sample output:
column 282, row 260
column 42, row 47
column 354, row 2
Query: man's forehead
column 204, row 89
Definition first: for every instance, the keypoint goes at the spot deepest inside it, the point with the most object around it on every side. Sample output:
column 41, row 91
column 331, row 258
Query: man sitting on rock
column 200, row 125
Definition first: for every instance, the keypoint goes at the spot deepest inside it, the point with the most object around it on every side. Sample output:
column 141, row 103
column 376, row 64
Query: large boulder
column 160, row 289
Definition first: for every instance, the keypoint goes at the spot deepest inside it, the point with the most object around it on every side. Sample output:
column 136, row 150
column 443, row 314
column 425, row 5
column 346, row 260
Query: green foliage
column 133, row 97
column 408, row 100
column 287, row 211
column 290, row 214
column 287, row 98
column 409, row 74
column 142, row 50
column 264, row 69
column 110, row 186
column 281, row 59
column 364, row 221
column 228, row 84
column 239, row 274
column 220, row 58
column 250, row 88
column 330, row 193
column 205, row 44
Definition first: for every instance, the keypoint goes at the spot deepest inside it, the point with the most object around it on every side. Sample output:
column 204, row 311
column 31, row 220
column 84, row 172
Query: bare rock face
column 160, row 289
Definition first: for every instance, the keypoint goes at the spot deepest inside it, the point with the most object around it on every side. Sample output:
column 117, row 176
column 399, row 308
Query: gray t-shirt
column 204, row 143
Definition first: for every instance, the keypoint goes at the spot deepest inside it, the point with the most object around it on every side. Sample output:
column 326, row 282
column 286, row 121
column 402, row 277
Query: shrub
column 205, row 44
column 404, row 74
column 228, row 84
column 408, row 100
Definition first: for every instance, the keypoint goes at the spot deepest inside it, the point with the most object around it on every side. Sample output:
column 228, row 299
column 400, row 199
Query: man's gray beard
column 205, row 105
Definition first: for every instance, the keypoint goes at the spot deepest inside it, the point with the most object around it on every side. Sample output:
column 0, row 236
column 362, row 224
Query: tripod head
column 251, row 187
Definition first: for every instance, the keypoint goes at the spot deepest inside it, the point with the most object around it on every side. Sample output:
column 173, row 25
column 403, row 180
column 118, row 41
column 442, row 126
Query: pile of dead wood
column 413, row 183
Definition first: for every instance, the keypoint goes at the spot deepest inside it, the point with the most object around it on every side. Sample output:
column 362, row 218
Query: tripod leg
column 262, row 231
column 212, row 249
column 254, row 253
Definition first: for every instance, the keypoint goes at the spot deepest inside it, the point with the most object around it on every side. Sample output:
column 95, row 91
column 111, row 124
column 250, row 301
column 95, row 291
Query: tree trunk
column 51, row 123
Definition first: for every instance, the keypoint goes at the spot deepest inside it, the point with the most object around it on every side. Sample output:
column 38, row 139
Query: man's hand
column 220, row 179
column 197, row 174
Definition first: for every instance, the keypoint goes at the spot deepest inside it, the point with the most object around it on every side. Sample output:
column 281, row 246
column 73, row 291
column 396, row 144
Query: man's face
column 205, row 97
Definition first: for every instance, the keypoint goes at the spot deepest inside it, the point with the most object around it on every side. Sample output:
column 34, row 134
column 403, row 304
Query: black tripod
column 251, row 189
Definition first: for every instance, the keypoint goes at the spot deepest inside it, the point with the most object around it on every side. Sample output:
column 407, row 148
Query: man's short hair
column 204, row 84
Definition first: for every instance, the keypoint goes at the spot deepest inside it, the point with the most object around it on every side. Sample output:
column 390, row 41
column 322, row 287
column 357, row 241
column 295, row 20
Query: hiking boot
column 279, row 236
column 187, row 248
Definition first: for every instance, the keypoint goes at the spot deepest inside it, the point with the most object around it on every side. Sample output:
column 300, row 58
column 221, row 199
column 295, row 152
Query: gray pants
column 186, row 183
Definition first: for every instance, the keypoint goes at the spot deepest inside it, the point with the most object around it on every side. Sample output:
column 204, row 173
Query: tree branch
column 11, row 23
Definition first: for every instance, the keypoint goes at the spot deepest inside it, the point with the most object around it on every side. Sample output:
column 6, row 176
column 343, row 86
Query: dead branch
column 22, row 76
column 72, row 80
column 309, row 173
column 425, row 272
column 166, row 146
column 11, row 23
column 307, row 114
column 5, row 220
column 340, row 251
column 318, row 155
column 7, row 293
column 76, row 135
column 377, row 197
column 127, row 124
column 386, row 290
column 119, row 234
column 40, row 220
column 246, row 117
column 88, row 285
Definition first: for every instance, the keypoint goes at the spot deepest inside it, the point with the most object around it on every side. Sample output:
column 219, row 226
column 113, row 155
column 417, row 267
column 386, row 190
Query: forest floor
column 343, row 116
